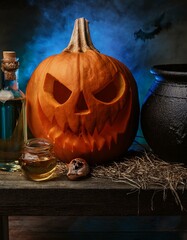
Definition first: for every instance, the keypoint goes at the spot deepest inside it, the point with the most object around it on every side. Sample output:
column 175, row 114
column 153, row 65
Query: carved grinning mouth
column 92, row 141
column 84, row 140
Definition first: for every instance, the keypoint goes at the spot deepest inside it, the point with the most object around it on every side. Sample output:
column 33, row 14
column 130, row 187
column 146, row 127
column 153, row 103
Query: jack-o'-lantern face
column 81, row 101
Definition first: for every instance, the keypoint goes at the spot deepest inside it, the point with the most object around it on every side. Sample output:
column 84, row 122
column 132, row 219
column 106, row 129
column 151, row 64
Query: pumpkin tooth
column 90, row 125
column 85, row 146
column 88, row 141
column 70, row 144
column 74, row 125
column 100, row 124
column 99, row 140
column 100, row 143
column 114, row 136
column 67, row 142
column 54, row 132
column 109, row 141
column 73, row 147
column 85, row 138
column 92, row 142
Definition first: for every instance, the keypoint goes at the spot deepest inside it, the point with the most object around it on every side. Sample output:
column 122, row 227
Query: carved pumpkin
column 84, row 101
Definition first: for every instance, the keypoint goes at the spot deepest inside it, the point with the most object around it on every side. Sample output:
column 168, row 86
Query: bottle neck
column 9, row 84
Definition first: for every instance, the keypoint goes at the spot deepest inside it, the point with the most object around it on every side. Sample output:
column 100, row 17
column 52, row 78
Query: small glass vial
column 38, row 161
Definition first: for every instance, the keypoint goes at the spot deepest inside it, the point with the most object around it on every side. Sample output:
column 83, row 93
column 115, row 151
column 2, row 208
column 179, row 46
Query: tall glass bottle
column 13, row 127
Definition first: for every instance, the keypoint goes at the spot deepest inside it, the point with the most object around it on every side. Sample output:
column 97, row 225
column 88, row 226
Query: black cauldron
column 164, row 112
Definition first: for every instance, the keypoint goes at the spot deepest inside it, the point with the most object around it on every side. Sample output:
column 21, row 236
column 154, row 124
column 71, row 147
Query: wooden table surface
column 88, row 197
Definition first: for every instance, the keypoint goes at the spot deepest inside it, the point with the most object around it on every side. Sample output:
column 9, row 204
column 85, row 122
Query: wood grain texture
column 4, row 228
column 89, row 197
column 110, row 228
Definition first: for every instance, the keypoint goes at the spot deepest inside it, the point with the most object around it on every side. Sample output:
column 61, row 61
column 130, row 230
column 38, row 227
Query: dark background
column 139, row 33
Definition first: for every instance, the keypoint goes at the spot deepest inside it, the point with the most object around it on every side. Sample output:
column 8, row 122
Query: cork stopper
column 9, row 55
column 9, row 65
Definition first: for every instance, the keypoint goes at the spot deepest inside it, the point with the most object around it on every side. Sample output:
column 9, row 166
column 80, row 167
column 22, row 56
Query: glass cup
column 38, row 161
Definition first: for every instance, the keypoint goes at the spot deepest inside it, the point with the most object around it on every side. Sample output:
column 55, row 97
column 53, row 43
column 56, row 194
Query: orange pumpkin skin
column 85, row 102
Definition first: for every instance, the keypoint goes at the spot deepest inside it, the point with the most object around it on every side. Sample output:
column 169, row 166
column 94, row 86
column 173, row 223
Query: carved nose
column 81, row 105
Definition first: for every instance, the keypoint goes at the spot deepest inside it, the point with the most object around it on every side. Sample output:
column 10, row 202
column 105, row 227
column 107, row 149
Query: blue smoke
column 110, row 32
column 118, row 29
column 112, row 27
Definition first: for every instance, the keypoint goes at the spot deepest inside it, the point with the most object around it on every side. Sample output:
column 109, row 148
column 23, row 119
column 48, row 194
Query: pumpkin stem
column 80, row 39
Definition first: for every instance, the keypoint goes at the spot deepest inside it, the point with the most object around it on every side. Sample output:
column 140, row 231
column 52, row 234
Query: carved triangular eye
column 59, row 91
column 112, row 91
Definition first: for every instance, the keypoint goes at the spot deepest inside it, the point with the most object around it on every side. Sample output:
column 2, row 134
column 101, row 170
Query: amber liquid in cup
column 38, row 161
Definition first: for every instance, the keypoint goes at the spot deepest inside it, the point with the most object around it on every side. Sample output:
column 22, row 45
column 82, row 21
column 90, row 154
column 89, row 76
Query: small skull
column 77, row 168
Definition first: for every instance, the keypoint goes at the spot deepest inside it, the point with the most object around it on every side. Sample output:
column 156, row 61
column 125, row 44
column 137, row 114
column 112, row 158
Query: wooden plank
column 4, row 231
column 90, row 197
column 57, row 227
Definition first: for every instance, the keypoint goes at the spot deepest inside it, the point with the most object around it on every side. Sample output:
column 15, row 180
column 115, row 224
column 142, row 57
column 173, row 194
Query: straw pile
column 145, row 170
column 142, row 170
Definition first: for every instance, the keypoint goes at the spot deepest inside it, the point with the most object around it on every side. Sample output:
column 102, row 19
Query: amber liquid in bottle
column 13, row 130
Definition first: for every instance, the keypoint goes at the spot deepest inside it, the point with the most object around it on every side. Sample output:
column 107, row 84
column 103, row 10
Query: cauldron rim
column 170, row 69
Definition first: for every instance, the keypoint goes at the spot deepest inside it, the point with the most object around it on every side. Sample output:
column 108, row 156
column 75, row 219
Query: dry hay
column 140, row 170
column 143, row 171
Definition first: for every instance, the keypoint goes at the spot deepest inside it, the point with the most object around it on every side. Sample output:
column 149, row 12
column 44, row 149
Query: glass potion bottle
column 13, row 127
